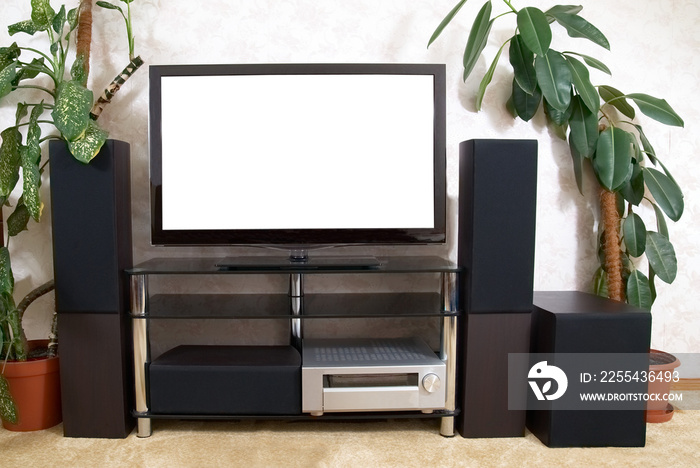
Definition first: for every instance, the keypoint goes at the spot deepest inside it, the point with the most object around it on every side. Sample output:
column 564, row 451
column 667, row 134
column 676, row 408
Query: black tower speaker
column 497, row 207
column 91, row 216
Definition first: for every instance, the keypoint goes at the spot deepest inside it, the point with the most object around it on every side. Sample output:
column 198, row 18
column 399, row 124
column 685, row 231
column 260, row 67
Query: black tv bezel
column 298, row 238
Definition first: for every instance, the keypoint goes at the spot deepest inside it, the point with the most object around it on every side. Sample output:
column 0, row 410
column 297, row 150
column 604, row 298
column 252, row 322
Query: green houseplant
column 61, row 102
column 598, row 121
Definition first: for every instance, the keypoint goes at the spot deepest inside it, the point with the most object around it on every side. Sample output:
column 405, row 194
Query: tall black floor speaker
column 91, row 217
column 496, row 248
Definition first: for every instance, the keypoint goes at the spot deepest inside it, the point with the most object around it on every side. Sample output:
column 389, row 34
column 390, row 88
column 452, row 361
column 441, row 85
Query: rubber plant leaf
column 617, row 99
column 86, row 148
column 584, row 128
column 562, row 9
column 554, row 79
column 657, row 109
column 72, row 109
column 646, row 144
column 665, row 191
column 577, row 160
column 592, row 62
column 633, row 189
column 522, row 60
column 635, row 233
column 638, row 290
column 525, row 104
column 559, row 118
column 661, row 225
column 9, row 160
column 534, row 29
column 488, row 76
column 613, row 158
column 582, row 82
column 478, row 36
column 661, row 256
column 42, row 14
column 578, row 27
column 435, row 35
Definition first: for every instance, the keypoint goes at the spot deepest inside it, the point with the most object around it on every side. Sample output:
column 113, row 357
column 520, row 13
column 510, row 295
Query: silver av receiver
column 371, row 375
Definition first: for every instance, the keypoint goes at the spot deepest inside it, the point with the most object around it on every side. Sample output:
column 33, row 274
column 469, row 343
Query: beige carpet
column 392, row 443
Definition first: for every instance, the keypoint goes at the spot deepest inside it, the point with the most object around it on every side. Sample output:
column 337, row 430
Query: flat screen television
column 297, row 155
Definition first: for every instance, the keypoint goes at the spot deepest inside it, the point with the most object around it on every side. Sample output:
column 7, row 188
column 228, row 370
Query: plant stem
column 510, row 6
column 611, row 244
column 114, row 86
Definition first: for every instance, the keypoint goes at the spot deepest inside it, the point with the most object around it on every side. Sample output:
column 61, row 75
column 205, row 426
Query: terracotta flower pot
column 660, row 363
column 36, row 388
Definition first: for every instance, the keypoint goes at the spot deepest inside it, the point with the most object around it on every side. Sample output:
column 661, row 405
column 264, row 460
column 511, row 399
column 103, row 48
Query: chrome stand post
column 448, row 349
column 296, row 298
column 139, row 308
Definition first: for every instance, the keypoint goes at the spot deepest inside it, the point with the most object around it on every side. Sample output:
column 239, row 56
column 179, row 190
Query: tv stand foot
column 447, row 426
column 143, row 427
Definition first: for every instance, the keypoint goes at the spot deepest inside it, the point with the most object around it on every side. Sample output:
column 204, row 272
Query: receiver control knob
column 431, row 383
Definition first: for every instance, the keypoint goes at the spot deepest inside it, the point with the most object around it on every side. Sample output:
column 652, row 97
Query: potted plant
column 599, row 123
column 61, row 101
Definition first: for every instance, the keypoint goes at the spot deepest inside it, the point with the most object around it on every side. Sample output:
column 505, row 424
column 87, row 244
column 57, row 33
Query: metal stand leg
column 139, row 304
column 448, row 349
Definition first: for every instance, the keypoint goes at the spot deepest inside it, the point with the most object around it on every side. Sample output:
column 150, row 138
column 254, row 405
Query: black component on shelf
column 241, row 380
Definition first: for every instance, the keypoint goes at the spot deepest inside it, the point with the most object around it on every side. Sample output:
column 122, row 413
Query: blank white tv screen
column 297, row 152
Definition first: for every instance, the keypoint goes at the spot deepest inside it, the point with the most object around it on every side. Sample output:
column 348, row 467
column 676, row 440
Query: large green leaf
column 584, row 128
column 657, row 109
column 72, row 109
column 18, row 220
column 617, row 99
column 579, row 27
column 559, row 9
column 646, row 144
column 42, row 14
column 26, row 26
column 7, row 77
column 435, row 35
column 577, row 159
column 635, row 233
column 582, row 82
column 613, row 158
column 559, row 118
column 665, row 191
column 522, row 60
column 7, row 280
column 661, row 256
column 554, row 79
column 9, row 160
column 488, row 76
column 87, row 147
column 31, row 177
column 8, row 409
column 661, row 225
column 534, row 29
column 633, row 189
column 591, row 62
column 638, row 290
column 478, row 37
column 525, row 104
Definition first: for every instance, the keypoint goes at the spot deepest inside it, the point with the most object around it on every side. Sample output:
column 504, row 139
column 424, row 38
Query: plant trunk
column 114, row 86
column 84, row 36
column 611, row 245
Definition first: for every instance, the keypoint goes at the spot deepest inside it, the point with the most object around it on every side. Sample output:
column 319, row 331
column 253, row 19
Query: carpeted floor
column 392, row 443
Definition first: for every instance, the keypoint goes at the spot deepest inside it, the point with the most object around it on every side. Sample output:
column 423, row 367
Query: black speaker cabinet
column 91, row 217
column 496, row 248
column 576, row 322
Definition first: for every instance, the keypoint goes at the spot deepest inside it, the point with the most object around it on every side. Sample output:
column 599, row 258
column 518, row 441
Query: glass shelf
column 316, row 306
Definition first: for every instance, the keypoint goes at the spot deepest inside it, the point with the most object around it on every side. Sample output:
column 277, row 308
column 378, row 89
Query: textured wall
column 654, row 51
